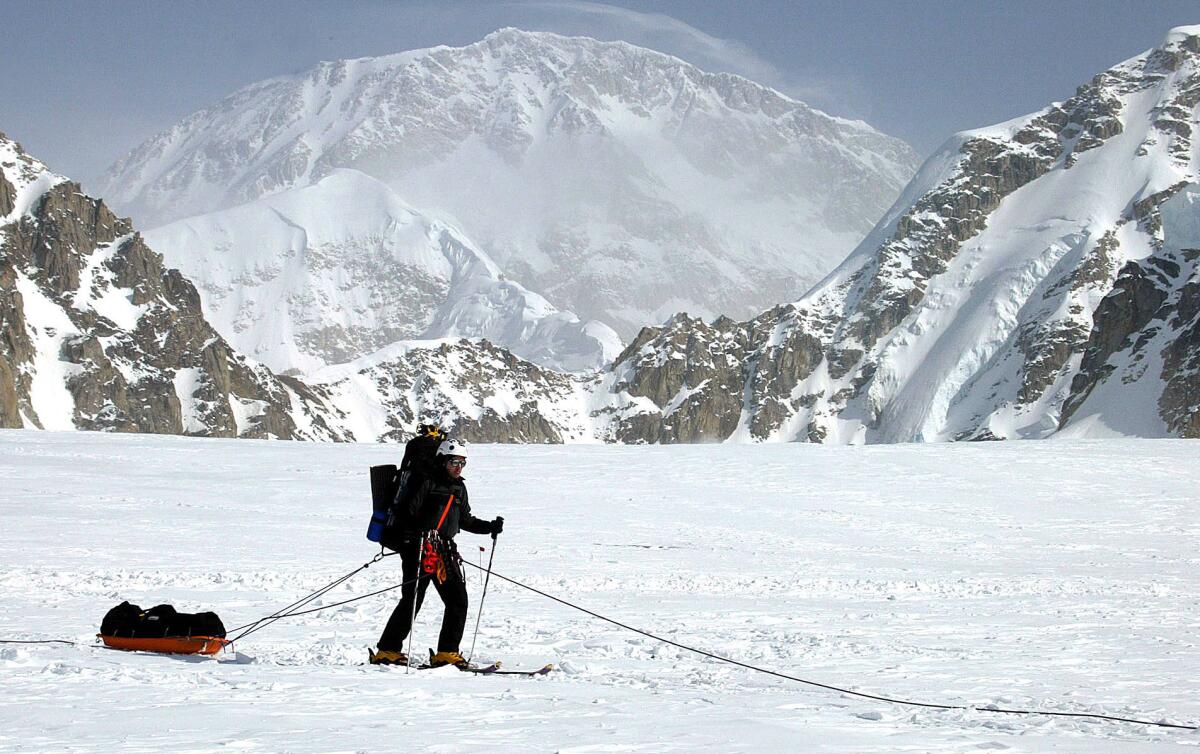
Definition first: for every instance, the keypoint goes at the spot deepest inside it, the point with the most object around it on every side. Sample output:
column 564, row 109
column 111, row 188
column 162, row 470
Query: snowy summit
column 587, row 172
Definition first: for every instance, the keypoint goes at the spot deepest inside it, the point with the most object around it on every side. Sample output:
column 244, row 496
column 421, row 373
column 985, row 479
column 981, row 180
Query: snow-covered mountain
column 480, row 391
column 1037, row 275
column 96, row 334
column 330, row 272
column 621, row 184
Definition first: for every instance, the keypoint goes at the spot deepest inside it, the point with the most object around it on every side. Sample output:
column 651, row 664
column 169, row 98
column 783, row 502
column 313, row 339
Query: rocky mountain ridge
column 1023, row 274
column 98, row 335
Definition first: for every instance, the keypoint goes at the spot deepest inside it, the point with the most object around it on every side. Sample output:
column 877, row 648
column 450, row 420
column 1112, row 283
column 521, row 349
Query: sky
column 82, row 83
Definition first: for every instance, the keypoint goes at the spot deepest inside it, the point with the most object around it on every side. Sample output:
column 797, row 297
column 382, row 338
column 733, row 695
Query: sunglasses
column 457, row 463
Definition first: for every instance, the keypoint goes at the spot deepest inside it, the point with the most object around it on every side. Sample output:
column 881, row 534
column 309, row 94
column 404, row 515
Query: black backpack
column 389, row 521
column 159, row 622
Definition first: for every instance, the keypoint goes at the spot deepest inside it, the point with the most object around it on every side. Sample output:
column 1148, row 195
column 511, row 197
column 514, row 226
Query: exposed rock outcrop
column 1147, row 329
column 8, row 194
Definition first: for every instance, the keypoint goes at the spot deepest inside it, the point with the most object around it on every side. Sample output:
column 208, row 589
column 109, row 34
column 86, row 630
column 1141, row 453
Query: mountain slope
column 334, row 271
column 589, row 171
column 1016, row 267
column 97, row 334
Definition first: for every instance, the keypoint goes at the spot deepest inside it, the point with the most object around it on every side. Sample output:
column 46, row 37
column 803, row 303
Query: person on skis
column 435, row 500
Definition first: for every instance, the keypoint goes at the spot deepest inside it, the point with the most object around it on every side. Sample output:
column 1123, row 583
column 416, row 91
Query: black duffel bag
column 159, row 622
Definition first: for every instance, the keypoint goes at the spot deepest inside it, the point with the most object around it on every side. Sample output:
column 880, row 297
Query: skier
column 438, row 496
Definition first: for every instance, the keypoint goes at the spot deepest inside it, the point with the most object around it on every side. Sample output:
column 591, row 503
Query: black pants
column 453, row 592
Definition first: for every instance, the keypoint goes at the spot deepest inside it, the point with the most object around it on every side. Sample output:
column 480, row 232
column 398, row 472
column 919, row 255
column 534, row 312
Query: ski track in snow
column 1057, row 575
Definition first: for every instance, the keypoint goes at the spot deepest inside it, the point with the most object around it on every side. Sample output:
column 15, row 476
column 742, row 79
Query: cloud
column 670, row 35
column 730, row 55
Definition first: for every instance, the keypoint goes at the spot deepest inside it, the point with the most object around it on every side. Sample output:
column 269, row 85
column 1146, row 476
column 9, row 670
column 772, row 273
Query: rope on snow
column 291, row 611
column 777, row 674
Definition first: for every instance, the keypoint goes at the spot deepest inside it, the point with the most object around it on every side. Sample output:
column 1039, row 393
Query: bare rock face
column 1135, row 300
column 697, row 382
column 15, row 350
column 1180, row 401
column 64, row 223
column 1147, row 327
column 690, row 369
column 8, row 194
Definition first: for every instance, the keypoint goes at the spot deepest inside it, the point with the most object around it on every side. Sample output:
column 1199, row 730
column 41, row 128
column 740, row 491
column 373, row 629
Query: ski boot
column 448, row 658
column 387, row 657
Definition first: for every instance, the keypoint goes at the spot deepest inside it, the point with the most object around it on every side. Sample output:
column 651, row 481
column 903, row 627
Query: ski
column 478, row 669
column 540, row 671
column 489, row 669
column 492, row 669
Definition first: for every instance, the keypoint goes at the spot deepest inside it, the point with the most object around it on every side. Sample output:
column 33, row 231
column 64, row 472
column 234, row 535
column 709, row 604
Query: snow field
column 1056, row 575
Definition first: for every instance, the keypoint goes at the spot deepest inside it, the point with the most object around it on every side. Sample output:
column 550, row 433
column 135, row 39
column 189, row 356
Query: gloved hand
column 497, row 525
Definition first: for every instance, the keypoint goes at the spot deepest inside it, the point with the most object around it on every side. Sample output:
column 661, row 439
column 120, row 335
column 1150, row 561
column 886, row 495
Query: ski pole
column 483, row 596
column 412, row 626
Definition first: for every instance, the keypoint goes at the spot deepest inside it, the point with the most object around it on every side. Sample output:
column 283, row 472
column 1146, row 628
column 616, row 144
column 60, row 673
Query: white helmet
column 452, row 448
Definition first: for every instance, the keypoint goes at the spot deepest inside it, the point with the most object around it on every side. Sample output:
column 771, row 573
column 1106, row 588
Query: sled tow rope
column 293, row 609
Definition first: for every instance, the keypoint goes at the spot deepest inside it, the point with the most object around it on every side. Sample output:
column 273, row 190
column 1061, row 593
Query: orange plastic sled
column 180, row 645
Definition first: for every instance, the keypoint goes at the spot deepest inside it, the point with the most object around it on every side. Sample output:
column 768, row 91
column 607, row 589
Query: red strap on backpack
column 445, row 510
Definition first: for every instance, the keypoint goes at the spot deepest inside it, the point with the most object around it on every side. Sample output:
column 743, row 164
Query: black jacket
column 425, row 499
